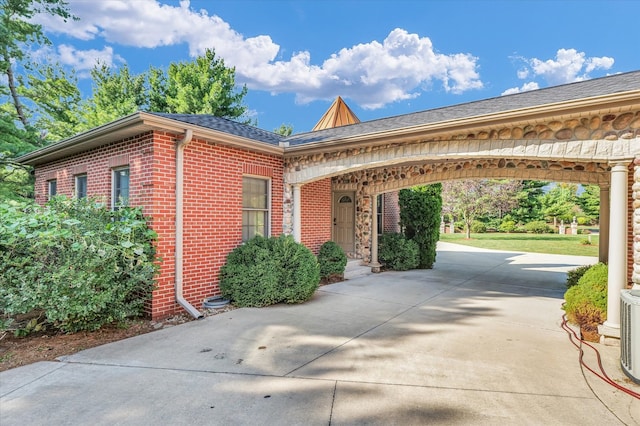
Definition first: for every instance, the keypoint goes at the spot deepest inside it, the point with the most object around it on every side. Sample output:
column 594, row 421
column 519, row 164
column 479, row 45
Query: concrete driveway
column 476, row 340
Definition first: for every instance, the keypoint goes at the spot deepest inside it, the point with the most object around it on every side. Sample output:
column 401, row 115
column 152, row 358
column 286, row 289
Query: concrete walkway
column 476, row 340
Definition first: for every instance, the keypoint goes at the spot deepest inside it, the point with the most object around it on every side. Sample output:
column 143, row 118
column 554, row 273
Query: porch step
column 355, row 268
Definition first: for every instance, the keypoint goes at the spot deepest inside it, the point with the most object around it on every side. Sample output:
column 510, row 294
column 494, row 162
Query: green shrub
column 583, row 220
column 397, row 252
column 507, row 226
column 588, row 298
column 574, row 275
column 265, row 271
column 420, row 213
column 478, row 227
column 332, row 260
column 75, row 262
column 538, row 227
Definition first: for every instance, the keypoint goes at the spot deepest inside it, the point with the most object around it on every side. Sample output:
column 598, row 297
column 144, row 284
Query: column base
column 375, row 267
column 609, row 333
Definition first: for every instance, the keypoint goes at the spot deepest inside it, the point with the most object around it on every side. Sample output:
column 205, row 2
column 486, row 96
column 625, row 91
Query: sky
column 384, row 58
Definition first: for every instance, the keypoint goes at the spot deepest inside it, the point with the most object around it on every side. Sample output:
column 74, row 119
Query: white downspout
column 180, row 146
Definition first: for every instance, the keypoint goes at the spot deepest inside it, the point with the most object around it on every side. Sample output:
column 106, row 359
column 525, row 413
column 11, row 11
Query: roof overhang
column 133, row 125
column 611, row 103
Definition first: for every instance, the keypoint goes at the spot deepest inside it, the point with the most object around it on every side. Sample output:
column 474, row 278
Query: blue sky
column 383, row 57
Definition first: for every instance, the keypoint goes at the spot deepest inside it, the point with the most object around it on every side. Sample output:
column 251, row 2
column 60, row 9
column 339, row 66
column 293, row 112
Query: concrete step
column 356, row 268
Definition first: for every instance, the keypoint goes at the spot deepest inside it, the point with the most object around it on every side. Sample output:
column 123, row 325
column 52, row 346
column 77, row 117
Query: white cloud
column 82, row 61
column 372, row 74
column 525, row 88
column 568, row 66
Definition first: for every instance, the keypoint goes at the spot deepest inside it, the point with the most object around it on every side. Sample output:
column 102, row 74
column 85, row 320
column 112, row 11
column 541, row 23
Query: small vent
column 630, row 333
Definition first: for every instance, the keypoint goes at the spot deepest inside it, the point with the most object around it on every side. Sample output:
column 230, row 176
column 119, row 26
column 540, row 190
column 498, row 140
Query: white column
column 297, row 214
column 603, row 247
column 617, row 244
column 375, row 266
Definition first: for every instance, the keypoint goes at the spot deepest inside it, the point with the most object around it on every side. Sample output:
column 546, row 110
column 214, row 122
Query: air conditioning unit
column 630, row 333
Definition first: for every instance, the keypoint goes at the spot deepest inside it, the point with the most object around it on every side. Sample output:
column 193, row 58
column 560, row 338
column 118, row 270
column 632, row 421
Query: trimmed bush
column 478, row 227
column 74, row 264
column 332, row 260
column 538, row 227
column 586, row 302
column 397, row 252
column 574, row 275
column 507, row 226
column 265, row 271
column 420, row 213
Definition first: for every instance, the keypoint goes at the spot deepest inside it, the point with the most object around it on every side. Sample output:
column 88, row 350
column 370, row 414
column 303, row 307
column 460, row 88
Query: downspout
column 180, row 146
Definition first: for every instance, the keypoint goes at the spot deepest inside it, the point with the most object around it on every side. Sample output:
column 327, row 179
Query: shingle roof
column 225, row 125
column 573, row 91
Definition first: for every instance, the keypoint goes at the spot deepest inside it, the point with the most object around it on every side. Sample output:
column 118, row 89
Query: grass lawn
column 532, row 243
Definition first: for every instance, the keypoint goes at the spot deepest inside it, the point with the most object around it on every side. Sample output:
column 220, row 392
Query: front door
column 344, row 212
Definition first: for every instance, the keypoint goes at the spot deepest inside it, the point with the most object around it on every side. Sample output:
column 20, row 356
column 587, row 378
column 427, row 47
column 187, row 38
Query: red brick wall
column 97, row 164
column 316, row 213
column 212, row 202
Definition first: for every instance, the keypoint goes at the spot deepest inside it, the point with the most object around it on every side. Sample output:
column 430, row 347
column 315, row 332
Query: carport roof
column 568, row 92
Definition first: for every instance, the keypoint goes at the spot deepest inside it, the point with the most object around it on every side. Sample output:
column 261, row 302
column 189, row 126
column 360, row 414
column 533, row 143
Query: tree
column 420, row 210
column 284, row 130
column 473, row 199
column 528, row 207
column 36, row 95
column 560, row 202
column 589, row 201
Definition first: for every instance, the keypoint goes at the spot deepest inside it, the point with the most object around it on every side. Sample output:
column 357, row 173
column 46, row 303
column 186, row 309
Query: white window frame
column 75, row 184
column 267, row 210
column 114, row 198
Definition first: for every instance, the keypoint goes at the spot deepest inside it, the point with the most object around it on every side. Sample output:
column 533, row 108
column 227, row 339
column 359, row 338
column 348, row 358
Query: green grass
column 532, row 243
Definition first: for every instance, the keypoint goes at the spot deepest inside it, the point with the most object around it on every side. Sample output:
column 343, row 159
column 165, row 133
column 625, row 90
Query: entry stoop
column 356, row 268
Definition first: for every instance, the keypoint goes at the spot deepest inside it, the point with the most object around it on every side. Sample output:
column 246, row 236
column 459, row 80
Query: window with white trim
column 80, row 186
column 380, row 214
column 120, row 188
column 256, row 205
column 52, row 188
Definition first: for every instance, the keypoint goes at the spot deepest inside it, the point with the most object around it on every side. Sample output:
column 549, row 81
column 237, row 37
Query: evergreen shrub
column 397, row 252
column 332, row 260
column 265, row 271
column 586, row 302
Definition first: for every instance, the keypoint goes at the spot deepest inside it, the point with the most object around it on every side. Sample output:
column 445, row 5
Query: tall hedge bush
column 77, row 263
column 265, row 271
column 420, row 213
column 586, row 302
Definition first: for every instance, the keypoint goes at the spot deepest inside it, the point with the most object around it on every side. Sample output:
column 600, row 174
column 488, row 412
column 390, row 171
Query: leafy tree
column 35, row 95
column 589, row 201
column 560, row 202
column 473, row 199
column 284, row 130
column 420, row 210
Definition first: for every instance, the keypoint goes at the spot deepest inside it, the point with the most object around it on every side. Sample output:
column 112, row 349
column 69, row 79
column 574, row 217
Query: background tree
column 589, row 201
column 420, row 211
column 529, row 207
column 284, row 130
column 560, row 202
column 34, row 95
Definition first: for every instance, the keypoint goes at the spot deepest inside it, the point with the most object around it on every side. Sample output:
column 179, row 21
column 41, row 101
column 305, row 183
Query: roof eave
column 134, row 124
column 606, row 103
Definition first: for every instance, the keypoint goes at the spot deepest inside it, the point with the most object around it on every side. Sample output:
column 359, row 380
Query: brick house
column 209, row 183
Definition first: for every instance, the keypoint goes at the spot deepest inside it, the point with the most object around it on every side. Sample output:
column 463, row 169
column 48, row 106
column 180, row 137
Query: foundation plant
column 586, row 301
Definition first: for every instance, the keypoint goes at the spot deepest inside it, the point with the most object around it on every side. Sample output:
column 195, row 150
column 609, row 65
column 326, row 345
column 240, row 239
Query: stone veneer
column 577, row 149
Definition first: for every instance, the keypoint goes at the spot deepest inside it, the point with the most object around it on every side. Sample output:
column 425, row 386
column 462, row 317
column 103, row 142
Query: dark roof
column 567, row 92
column 225, row 125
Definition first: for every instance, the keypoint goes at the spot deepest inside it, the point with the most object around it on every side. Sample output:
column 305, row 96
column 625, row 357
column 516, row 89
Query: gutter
column 180, row 146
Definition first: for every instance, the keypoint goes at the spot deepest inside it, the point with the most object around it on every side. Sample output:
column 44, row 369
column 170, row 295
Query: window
column 52, row 188
column 255, row 207
column 380, row 214
column 81, row 186
column 120, row 191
